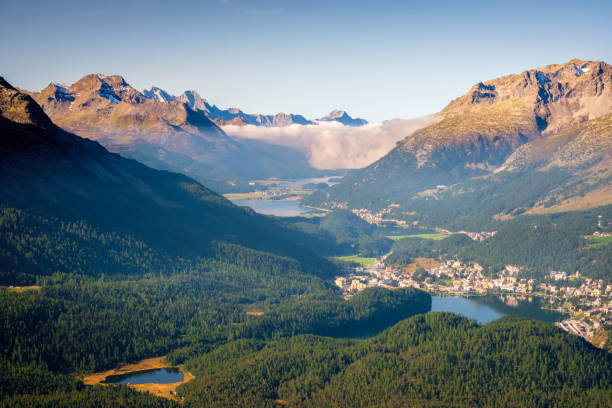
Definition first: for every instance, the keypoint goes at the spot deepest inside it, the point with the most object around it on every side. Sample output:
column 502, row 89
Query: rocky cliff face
column 557, row 96
column 18, row 107
column 231, row 116
column 108, row 108
column 495, row 117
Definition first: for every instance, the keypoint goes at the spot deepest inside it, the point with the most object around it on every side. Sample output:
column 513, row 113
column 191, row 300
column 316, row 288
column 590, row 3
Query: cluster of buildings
column 588, row 323
column 369, row 216
column 558, row 275
column 357, row 279
column 586, row 300
column 480, row 236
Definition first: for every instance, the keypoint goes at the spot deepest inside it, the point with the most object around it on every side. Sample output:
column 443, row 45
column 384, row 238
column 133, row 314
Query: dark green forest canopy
column 471, row 204
column 539, row 243
column 438, row 359
column 135, row 263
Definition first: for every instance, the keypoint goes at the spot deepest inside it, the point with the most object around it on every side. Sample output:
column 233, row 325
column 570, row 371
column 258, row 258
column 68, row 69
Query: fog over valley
column 331, row 145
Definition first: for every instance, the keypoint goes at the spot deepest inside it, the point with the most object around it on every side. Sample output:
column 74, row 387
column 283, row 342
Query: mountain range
column 131, row 262
column 551, row 124
column 231, row 116
column 344, row 118
column 51, row 173
column 165, row 132
column 234, row 116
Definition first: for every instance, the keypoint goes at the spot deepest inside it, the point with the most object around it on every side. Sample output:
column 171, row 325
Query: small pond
column 168, row 375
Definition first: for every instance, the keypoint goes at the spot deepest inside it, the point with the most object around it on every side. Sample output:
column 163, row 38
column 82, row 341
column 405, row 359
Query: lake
column 299, row 183
column 280, row 208
column 485, row 309
column 168, row 375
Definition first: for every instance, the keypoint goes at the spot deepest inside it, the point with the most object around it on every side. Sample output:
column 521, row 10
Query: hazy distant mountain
column 546, row 122
column 344, row 118
column 231, row 116
column 234, row 116
column 158, row 94
column 163, row 131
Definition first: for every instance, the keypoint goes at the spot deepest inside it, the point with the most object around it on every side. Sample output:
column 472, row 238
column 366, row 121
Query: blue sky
column 378, row 60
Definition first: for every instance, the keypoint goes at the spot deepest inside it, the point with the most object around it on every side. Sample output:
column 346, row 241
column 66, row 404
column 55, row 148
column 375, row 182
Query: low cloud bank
column 331, row 145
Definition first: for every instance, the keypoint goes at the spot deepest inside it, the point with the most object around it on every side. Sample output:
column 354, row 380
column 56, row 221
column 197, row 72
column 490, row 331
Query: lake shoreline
column 167, row 391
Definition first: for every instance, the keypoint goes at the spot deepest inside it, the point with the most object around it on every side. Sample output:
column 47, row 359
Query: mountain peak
column 336, row 113
column 117, row 80
column 194, row 100
column 113, row 88
column 552, row 97
column 514, row 127
column 158, row 94
column 19, row 107
column 341, row 116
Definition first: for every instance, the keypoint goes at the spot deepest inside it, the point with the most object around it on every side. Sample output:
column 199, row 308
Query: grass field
column 20, row 289
column 435, row 236
column 600, row 241
column 312, row 214
column 365, row 262
column 267, row 195
column 245, row 196
column 426, row 263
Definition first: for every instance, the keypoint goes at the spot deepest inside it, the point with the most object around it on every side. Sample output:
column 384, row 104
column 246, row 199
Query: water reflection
column 485, row 309
column 168, row 375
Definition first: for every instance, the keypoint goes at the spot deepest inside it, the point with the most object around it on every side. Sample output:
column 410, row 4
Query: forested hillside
column 538, row 243
column 439, row 359
column 131, row 262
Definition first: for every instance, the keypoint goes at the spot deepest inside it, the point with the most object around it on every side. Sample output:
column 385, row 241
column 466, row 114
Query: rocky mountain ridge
column 344, row 118
column 48, row 172
column 163, row 131
column 551, row 118
column 236, row 117
column 231, row 116
column 497, row 116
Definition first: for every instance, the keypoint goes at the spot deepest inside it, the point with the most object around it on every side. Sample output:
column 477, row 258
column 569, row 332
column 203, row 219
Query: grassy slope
column 365, row 262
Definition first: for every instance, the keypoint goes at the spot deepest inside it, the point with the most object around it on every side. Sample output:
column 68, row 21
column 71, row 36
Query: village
column 584, row 301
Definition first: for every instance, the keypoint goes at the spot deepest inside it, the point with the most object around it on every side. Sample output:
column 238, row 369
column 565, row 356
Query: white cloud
column 331, row 145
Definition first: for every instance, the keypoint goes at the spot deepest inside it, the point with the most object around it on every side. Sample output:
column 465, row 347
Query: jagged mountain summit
column 163, row 131
column 544, row 121
column 344, row 118
column 497, row 116
column 158, row 94
column 231, row 116
column 235, row 116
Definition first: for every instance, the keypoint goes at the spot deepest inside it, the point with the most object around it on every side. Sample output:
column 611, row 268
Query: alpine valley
column 180, row 134
column 529, row 143
column 119, row 256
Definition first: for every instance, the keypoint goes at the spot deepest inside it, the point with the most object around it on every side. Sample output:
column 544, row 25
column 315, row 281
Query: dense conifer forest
column 124, row 262
column 540, row 243
column 438, row 359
